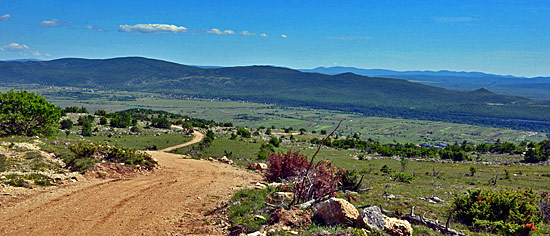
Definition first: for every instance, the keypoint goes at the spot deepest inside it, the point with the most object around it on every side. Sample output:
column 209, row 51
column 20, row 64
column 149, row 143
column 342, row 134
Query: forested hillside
column 346, row 92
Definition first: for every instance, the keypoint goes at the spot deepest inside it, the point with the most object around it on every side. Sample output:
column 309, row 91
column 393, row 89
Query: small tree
column 86, row 129
column 473, row 170
column 102, row 121
column 24, row 113
column 66, row 124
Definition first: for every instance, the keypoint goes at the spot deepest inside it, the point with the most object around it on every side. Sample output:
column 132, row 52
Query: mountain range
column 348, row 92
column 537, row 88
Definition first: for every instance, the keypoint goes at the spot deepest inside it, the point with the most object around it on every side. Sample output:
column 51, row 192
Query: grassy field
column 445, row 180
column 240, row 113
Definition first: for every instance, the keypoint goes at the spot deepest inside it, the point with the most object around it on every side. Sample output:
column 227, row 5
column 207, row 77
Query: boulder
column 260, row 186
column 396, row 227
column 372, row 218
column 224, row 159
column 257, row 233
column 336, row 211
column 260, row 166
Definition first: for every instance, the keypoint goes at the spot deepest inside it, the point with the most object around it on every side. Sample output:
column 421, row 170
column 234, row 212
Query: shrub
column 386, row 169
column 350, row 180
column 403, row 177
column 85, row 119
column 121, row 121
column 503, row 212
column 87, row 154
column 544, row 205
column 162, row 123
column 285, row 166
column 102, row 121
column 275, row 141
column 24, row 113
column 66, row 124
column 473, row 170
column 244, row 133
column 321, row 181
column 135, row 129
column 86, row 129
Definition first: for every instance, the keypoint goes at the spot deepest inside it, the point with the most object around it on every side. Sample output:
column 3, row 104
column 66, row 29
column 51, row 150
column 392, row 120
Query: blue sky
column 498, row 36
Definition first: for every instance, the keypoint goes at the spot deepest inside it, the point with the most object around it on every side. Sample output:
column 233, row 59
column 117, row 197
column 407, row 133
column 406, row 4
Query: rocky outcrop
column 396, row 227
column 372, row 218
column 336, row 211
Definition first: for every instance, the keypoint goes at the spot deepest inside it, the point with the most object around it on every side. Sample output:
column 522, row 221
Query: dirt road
column 169, row 201
column 197, row 137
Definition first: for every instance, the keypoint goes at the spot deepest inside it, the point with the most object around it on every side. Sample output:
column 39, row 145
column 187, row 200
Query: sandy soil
column 171, row 200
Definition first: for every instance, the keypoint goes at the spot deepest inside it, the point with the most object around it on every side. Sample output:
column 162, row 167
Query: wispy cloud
column 246, row 33
column 5, row 17
column 91, row 27
column 54, row 23
column 152, row 28
column 284, row 36
column 217, row 31
column 15, row 47
column 348, row 38
column 458, row 19
column 22, row 49
column 264, row 35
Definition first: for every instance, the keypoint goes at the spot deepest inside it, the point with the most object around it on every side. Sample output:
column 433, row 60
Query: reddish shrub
column 286, row 166
column 322, row 181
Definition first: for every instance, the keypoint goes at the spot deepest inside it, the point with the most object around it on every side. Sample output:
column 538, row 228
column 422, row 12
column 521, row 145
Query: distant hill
column 466, row 81
column 346, row 92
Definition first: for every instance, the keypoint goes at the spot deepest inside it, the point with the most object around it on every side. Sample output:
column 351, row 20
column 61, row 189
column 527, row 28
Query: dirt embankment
column 171, row 200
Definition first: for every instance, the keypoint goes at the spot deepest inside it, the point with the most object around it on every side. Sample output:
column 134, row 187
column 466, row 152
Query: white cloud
column 152, row 28
column 53, row 22
column 246, row 33
column 454, row 19
column 22, row 49
column 217, row 31
column 16, row 47
column 284, row 36
column 263, row 35
column 91, row 27
column 5, row 17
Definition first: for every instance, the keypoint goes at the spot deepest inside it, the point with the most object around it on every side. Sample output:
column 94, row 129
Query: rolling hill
column 534, row 88
column 346, row 92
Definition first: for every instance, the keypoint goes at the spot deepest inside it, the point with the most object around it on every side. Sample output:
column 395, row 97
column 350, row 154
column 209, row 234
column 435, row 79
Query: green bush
column 66, row 124
column 87, row 154
column 502, row 212
column 350, row 180
column 403, row 177
column 386, row 169
column 24, row 113
column 244, row 133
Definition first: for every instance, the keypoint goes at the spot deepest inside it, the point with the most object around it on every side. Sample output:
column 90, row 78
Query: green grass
column 450, row 180
column 386, row 130
column 245, row 205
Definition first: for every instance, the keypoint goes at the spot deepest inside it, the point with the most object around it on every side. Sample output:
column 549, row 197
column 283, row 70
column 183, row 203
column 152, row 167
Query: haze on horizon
column 506, row 37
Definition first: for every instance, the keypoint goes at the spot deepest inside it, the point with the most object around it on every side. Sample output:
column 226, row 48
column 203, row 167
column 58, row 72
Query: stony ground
column 171, row 200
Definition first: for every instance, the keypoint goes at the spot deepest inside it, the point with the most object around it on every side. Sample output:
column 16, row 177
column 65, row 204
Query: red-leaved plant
column 286, row 166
